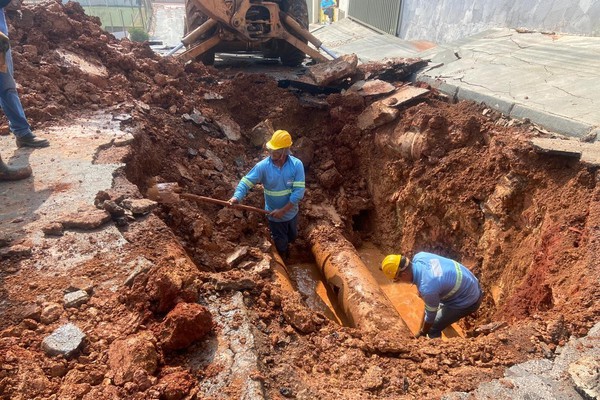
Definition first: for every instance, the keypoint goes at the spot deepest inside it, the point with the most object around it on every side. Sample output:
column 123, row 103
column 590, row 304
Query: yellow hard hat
column 280, row 140
column 393, row 264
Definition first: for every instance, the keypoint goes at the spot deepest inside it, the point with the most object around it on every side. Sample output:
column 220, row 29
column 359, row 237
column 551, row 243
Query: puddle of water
column 316, row 294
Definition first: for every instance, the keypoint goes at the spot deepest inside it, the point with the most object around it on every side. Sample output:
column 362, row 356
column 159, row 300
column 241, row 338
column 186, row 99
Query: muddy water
column 308, row 281
column 317, row 295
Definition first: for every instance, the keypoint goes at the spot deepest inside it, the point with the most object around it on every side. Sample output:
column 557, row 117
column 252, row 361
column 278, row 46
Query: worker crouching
column 282, row 177
column 450, row 291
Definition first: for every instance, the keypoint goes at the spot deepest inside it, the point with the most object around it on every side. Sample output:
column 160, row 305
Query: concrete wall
column 447, row 20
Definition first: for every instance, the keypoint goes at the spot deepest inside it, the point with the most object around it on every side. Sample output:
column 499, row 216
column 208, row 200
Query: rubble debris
column 87, row 217
column 234, row 258
column 75, row 299
column 139, row 206
column 184, row 325
column 126, row 356
column 261, row 133
column 53, row 229
column 393, row 70
column 65, row 340
column 50, row 313
column 326, row 73
column 372, row 88
column 142, row 265
column 229, row 127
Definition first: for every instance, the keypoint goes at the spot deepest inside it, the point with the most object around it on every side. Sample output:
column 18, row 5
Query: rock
column 113, row 208
column 261, row 133
column 237, row 256
column 50, row 313
column 373, row 378
column 53, row 229
column 87, row 217
column 176, row 385
column 81, row 283
column 139, row 206
column 75, row 299
column 585, row 373
column 194, row 117
column 170, row 285
column 331, row 178
column 142, row 265
column 229, row 127
column 489, row 328
column 375, row 115
column 65, row 341
column 28, row 311
column 126, row 356
column 342, row 67
column 372, row 87
column 215, row 160
column 16, row 251
column 304, row 149
column 184, row 325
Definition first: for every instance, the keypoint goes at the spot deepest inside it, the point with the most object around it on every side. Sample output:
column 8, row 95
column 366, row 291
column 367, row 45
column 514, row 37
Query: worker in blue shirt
column 327, row 7
column 282, row 177
column 450, row 291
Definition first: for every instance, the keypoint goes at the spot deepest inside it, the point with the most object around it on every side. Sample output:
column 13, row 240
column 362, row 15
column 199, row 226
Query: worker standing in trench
column 450, row 291
column 282, row 177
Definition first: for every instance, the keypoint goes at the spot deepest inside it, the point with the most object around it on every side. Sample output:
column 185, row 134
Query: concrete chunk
column 588, row 153
column 139, row 206
column 235, row 257
column 325, row 73
column 372, row 88
column 75, row 299
column 86, row 217
column 65, row 341
column 585, row 373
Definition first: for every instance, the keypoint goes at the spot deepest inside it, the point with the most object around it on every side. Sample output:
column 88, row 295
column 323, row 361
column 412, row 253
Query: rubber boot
column 13, row 174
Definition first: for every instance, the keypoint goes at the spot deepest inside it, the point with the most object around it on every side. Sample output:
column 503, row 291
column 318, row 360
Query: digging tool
column 169, row 192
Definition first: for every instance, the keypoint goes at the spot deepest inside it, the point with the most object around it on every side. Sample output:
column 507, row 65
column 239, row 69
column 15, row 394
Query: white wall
column 447, row 20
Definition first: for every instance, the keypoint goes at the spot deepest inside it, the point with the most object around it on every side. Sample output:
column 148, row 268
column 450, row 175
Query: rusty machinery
column 277, row 28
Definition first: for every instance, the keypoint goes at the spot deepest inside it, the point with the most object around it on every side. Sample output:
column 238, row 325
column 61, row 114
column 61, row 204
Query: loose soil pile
column 456, row 179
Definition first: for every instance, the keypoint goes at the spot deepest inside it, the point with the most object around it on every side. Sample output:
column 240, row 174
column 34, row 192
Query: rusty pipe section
column 358, row 293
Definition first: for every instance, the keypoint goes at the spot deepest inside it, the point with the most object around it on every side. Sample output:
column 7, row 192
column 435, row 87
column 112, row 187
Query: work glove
column 4, row 43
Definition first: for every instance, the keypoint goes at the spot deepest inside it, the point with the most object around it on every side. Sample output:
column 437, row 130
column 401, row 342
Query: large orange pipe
column 359, row 294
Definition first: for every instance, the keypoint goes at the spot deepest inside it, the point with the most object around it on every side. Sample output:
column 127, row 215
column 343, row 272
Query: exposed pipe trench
column 358, row 293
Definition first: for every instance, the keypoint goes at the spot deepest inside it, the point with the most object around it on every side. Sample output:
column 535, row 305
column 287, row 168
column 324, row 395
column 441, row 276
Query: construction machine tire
column 289, row 55
column 193, row 19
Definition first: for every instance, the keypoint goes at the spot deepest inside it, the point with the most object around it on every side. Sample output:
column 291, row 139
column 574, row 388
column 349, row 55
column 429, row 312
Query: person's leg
column 10, row 102
column 446, row 316
column 279, row 233
column 292, row 229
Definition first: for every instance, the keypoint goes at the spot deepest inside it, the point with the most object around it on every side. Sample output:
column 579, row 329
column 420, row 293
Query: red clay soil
column 473, row 189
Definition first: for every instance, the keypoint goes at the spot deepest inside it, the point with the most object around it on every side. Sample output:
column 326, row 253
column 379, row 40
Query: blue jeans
column 284, row 233
column 9, row 98
column 446, row 316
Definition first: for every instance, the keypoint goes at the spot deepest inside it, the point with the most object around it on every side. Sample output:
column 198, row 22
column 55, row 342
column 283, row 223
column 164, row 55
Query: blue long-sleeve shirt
column 327, row 3
column 281, row 185
column 442, row 280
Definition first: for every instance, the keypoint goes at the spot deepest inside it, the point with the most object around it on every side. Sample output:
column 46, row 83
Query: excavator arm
column 253, row 22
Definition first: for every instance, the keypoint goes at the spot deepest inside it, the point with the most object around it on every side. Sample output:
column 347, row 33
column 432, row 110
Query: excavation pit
column 468, row 186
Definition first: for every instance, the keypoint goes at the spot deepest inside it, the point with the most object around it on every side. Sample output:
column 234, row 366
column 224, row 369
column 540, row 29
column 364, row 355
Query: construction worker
column 450, row 291
column 282, row 177
column 327, row 6
column 9, row 98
